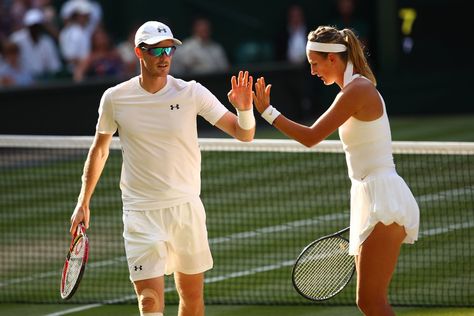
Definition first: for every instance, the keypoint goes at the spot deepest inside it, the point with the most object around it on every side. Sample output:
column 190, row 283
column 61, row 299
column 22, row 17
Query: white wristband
column 270, row 114
column 245, row 119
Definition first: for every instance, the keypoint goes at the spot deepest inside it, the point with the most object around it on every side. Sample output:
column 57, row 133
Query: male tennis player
column 164, row 220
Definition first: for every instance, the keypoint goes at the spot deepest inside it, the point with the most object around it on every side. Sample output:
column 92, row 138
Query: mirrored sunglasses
column 158, row 51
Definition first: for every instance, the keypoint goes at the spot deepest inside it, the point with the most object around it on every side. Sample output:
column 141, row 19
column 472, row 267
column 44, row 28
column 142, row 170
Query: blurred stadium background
column 409, row 42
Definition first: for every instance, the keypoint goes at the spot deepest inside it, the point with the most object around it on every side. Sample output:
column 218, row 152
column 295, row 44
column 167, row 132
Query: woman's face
column 323, row 66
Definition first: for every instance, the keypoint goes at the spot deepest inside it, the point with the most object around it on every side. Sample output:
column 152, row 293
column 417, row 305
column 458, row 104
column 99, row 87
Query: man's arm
column 229, row 124
column 95, row 162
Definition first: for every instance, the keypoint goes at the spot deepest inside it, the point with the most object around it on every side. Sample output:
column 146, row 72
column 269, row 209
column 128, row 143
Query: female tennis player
column 384, row 213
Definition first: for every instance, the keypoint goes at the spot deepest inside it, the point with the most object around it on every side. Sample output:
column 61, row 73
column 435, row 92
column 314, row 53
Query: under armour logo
column 161, row 30
column 172, row 107
column 138, row 268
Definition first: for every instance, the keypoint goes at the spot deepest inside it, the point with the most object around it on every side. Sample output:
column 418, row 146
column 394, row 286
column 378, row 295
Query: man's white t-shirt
column 158, row 134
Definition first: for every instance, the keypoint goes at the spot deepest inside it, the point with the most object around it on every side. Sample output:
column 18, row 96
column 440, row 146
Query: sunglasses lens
column 158, row 51
column 171, row 50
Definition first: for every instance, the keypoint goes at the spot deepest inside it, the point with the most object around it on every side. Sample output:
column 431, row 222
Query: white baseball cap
column 81, row 7
column 153, row 32
column 33, row 16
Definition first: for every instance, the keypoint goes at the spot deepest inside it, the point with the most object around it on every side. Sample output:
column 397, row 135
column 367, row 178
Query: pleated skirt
column 383, row 196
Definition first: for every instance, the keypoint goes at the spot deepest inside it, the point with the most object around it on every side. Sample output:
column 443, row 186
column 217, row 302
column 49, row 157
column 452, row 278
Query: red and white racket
column 75, row 263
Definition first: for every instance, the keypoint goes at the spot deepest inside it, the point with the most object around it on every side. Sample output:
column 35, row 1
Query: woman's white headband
column 326, row 47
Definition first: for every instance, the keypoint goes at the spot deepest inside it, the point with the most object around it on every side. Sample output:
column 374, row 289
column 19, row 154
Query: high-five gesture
column 261, row 96
column 240, row 96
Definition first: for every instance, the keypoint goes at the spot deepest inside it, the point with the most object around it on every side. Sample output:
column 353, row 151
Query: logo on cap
column 161, row 30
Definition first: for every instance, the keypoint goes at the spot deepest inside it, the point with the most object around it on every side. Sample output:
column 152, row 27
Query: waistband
column 375, row 173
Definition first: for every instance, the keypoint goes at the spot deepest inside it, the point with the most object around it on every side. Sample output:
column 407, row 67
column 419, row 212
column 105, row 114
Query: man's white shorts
column 167, row 240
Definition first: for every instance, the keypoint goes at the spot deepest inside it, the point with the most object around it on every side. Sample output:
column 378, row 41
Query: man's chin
column 162, row 72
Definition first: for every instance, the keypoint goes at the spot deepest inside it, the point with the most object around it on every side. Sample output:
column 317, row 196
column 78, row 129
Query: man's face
column 156, row 58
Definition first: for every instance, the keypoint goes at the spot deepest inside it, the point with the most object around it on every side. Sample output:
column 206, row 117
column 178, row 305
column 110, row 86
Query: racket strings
column 324, row 269
column 75, row 265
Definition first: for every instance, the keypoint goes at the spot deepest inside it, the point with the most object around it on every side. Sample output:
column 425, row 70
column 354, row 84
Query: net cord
column 229, row 144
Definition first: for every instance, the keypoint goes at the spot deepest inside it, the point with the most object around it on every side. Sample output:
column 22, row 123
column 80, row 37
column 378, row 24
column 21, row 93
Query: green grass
column 232, row 310
column 433, row 128
column 304, row 197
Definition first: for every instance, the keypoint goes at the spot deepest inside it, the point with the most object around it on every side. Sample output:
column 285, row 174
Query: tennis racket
column 324, row 267
column 75, row 263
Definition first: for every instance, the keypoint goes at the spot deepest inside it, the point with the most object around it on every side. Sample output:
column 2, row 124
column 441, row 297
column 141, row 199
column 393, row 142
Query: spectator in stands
column 75, row 37
column 95, row 16
column 200, row 53
column 103, row 60
column 16, row 12
column 126, row 50
column 11, row 70
column 291, row 42
column 50, row 22
column 290, row 47
column 13, row 12
column 38, row 50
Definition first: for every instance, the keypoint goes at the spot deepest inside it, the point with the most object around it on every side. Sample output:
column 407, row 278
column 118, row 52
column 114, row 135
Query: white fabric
column 325, row 47
column 37, row 58
column 378, row 194
column 384, row 197
column 74, row 42
column 153, row 32
column 158, row 134
column 168, row 240
column 94, row 8
column 246, row 119
column 296, row 49
column 368, row 145
column 33, row 16
column 270, row 114
column 19, row 76
column 349, row 73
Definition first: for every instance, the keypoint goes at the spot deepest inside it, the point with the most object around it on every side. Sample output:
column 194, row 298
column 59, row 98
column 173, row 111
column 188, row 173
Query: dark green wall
column 71, row 109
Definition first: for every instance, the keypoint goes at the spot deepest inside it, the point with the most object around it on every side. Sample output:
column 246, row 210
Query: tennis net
column 264, row 200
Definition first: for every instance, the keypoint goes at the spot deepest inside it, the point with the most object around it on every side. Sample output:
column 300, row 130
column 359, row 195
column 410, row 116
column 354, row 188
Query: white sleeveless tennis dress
column 378, row 193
